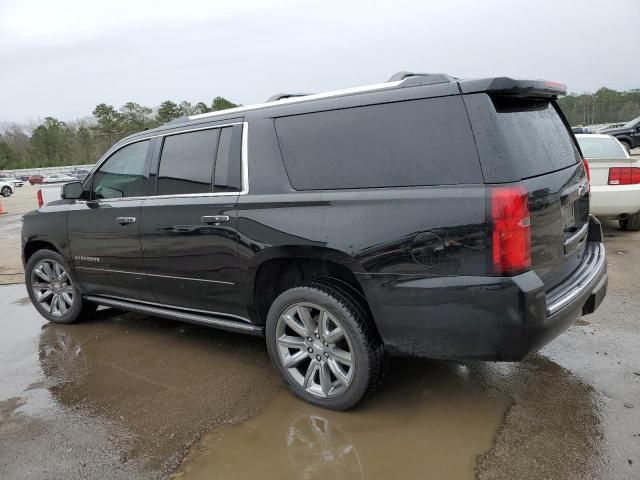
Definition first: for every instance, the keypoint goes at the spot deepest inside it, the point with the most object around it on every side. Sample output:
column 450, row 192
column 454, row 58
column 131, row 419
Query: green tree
column 7, row 157
column 135, row 117
column 109, row 122
column 220, row 103
column 168, row 111
column 51, row 143
column 200, row 107
column 85, row 151
column 186, row 108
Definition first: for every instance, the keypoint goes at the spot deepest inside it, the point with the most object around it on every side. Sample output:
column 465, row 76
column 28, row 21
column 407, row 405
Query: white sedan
column 58, row 177
column 6, row 188
column 615, row 180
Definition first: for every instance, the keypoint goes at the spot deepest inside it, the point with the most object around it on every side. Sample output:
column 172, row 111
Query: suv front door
column 104, row 230
column 189, row 238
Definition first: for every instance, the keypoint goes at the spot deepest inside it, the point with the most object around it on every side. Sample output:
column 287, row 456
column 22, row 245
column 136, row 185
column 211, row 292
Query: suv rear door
column 527, row 140
column 189, row 238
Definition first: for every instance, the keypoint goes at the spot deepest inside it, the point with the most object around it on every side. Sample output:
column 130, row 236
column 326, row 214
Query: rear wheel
column 6, row 192
column 51, row 289
column 631, row 223
column 323, row 345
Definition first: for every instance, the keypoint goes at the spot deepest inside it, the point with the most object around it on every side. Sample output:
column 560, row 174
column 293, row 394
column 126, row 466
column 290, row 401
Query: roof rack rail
column 420, row 78
column 281, row 96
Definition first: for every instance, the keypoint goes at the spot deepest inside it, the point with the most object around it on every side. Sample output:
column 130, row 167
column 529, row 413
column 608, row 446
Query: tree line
column 53, row 142
column 603, row 106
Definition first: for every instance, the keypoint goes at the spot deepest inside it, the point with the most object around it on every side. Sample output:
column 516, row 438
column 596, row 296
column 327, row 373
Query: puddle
column 22, row 301
column 122, row 396
column 429, row 417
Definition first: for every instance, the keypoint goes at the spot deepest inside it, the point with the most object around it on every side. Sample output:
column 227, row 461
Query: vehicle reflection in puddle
column 429, row 417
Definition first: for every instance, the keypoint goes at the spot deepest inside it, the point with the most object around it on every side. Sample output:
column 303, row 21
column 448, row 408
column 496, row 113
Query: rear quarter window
column 411, row 143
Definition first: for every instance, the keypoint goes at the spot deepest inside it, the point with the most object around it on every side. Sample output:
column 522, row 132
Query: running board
column 197, row 318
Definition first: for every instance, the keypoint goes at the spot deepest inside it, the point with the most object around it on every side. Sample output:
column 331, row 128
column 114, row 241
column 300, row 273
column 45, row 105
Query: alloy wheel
column 52, row 287
column 315, row 350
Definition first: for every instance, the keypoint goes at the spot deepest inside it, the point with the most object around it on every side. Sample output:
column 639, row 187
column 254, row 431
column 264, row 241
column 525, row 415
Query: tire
column 626, row 146
column 631, row 223
column 52, row 291
column 348, row 357
column 6, row 191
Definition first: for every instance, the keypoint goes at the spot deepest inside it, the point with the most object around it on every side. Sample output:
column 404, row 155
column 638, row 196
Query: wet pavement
column 128, row 396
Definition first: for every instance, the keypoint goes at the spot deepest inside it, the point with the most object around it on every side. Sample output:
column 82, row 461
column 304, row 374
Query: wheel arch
column 32, row 246
column 625, row 139
column 276, row 269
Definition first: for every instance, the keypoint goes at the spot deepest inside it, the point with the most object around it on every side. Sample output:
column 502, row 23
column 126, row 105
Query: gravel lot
column 131, row 396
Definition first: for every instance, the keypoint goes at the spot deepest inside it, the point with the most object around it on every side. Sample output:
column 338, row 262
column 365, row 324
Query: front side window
column 124, row 174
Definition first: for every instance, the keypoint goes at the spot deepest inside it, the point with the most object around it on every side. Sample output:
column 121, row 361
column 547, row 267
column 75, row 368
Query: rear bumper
column 489, row 318
column 614, row 200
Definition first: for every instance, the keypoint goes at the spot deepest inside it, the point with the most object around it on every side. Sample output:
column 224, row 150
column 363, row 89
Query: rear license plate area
column 569, row 216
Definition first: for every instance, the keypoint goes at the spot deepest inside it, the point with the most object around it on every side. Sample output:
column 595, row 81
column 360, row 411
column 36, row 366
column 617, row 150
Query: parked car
column 6, row 188
column 79, row 173
column 49, row 192
column 628, row 135
column 15, row 181
column 58, row 177
column 424, row 216
column 615, row 180
column 36, row 179
column 581, row 130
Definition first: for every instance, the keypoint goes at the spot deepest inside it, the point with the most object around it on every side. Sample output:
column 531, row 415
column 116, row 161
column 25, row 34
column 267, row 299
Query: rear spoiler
column 517, row 88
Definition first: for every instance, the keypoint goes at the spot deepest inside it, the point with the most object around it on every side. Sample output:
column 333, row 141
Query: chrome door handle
column 209, row 219
column 126, row 220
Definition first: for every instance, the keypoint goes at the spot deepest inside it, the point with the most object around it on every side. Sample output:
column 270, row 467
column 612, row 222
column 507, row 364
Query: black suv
column 424, row 216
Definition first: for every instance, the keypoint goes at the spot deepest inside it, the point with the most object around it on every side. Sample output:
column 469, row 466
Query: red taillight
column 586, row 169
column 624, row 176
column 511, row 230
column 39, row 195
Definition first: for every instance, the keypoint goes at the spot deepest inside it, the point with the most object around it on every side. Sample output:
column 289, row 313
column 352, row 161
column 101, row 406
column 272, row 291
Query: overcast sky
column 62, row 57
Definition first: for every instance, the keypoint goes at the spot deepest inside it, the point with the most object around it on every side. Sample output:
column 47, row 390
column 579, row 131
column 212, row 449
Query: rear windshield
column 601, row 147
column 535, row 135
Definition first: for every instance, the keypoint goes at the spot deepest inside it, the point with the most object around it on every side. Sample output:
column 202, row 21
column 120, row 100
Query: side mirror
column 71, row 191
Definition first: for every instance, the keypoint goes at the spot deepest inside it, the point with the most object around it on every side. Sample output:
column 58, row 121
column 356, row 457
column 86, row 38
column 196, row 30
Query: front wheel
column 6, row 192
column 51, row 289
column 323, row 345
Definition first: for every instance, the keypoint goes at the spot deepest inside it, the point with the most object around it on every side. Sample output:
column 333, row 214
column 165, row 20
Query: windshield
column 631, row 123
column 601, row 147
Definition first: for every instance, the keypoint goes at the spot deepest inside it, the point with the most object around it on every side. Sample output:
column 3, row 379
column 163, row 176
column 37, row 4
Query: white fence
column 44, row 170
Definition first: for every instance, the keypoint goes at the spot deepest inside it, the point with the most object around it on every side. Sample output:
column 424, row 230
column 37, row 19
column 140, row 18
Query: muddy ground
column 127, row 396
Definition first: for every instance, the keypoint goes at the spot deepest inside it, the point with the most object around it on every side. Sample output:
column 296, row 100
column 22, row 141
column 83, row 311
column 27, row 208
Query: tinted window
column 601, row 147
column 536, row 139
column 186, row 162
column 124, row 174
column 421, row 142
column 227, row 177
